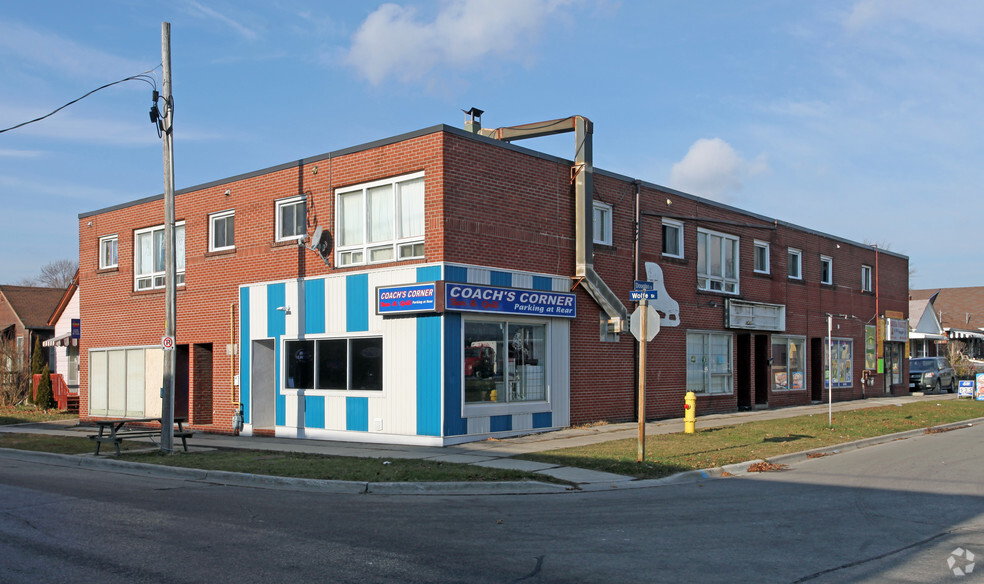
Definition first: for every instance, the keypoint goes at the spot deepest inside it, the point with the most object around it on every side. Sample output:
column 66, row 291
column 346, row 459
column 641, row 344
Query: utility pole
column 170, row 263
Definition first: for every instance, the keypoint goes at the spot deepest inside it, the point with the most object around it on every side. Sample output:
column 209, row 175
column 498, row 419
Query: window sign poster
column 870, row 347
column 841, row 353
column 979, row 393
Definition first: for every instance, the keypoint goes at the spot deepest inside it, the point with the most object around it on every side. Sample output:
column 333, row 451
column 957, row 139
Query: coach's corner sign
column 437, row 297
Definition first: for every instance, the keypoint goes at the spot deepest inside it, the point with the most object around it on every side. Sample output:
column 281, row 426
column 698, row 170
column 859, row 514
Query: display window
column 788, row 363
column 504, row 361
column 841, row 355
column 352, row 364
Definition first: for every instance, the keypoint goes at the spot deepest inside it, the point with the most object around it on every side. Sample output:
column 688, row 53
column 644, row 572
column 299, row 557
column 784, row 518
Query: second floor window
column 108, row 248
column 222, row 231
column 866, row 279
column 717, row 262
column 795, row 264
column 381, row 221
column 826, row 270
column 761, row 257
column 602, row 223
column 672, row 238
column 149, row 260
column 291, row 219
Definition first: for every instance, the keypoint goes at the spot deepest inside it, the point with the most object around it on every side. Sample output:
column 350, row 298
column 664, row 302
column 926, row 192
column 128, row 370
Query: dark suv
column 931, row 374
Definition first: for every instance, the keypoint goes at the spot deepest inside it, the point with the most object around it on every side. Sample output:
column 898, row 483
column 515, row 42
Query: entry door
column 743, row 370
column 263, row 385
column 762, row 378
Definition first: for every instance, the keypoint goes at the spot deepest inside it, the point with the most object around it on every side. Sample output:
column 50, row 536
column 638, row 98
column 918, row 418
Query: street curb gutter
column 219, row 477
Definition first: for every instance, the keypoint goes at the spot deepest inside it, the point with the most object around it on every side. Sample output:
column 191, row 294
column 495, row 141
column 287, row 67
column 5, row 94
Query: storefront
column 435, row 354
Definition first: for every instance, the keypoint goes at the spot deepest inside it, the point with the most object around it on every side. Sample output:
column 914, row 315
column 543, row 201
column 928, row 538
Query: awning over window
column 63, row 340
column 925, row 336
column 955, row 334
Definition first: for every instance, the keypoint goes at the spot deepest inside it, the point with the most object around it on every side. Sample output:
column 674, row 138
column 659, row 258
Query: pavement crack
column 872, row 559
column 534, row 573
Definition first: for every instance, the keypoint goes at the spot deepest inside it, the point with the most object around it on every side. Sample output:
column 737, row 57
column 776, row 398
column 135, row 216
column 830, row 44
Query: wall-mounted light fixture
column 228, row 192
column 284, row 309
column 89, row 224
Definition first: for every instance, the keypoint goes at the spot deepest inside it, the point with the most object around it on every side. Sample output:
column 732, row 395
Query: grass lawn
column 667, row 454
column 26, row 414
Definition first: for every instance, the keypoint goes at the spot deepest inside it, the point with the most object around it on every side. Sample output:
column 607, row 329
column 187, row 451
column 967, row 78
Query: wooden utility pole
column 170, row 263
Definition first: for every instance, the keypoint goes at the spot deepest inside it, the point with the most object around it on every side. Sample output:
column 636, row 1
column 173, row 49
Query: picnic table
column 118, row 430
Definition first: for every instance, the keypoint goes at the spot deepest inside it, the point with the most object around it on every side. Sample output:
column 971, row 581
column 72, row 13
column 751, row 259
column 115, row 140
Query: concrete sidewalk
column 499, row 453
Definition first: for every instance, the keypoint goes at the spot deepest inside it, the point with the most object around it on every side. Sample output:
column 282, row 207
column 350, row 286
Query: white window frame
column 103, row 241
column 866, row 284
column 290, row 202
column 700, row 376
column 830, row 270
column 156, row 278
column 400, row 247
column 215, row 218
column 707, row 280
column 602, row 211
column 761, row 245
column 678, row 226
column 348, row 390
column 792, row 253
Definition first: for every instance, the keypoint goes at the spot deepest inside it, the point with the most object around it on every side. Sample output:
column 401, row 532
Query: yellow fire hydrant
column 689, row 412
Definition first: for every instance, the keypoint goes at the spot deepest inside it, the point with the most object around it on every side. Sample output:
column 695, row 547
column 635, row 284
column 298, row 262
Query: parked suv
column 931, row 374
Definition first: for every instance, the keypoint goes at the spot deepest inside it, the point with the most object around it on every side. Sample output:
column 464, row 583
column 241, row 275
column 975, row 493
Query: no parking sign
column 167, row 343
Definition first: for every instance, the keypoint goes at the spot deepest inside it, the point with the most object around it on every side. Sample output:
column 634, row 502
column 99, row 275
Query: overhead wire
column 145, row 77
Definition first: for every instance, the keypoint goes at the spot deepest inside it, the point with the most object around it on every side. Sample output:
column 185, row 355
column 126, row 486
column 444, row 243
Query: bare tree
column 57, row 274
column 14, row 374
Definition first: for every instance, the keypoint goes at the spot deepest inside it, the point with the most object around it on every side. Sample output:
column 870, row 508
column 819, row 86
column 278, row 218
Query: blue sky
column 858, row 118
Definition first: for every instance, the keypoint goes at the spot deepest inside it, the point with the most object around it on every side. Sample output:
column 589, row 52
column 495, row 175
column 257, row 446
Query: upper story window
column 826, row 270
column 108, row 248
column 148, row 257
column 291, row 218
column 381, row 221
column 602, row 222
column 795, row 264
column 672, row 238
column 717, row 261
column 866, row 279
column 761, row 257
column 221, row 231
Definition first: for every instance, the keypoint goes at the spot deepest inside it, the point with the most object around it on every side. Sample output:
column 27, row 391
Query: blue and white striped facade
column 422, row 399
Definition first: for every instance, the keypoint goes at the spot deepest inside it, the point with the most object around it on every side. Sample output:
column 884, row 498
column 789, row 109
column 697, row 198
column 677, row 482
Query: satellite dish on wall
column 321, row 243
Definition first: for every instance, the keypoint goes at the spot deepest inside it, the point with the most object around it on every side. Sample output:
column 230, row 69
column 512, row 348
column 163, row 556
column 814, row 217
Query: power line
column 148, row 79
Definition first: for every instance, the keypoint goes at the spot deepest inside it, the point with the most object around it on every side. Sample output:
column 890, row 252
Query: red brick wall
column 493, row 206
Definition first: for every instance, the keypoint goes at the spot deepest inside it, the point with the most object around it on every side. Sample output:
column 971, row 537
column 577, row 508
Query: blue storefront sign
column 474, row 298
column 76, row 328
column 407, row 299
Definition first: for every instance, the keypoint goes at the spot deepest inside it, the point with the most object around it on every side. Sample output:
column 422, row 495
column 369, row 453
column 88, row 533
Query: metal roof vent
column 473, row 123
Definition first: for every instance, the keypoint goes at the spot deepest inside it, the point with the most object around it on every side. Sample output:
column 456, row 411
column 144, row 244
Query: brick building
column 467, row 287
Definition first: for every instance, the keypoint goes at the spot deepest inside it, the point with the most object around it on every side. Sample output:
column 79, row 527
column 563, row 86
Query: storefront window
column 504, row 362
column 709, row 363
column 334, row 364
column 788, row 363
column 842, row 356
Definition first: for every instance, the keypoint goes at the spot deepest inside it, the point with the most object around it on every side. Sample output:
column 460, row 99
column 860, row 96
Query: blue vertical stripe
column 244, row 347
column 357, row 414
column 500, row 423
column 429, row 274
column 456, row 274
column 276, row 319
column 314, row 411
column 503, row 279
column 357, row 303
column 543, row 419
column 541, row 283
column 454, row 424
column 314, row 306
column 429, row 375
column 276, row 327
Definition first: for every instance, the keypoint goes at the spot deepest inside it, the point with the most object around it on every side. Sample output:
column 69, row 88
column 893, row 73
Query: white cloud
column 20, row 153
column 952, row 17
column 713, row 169
column 393, row 41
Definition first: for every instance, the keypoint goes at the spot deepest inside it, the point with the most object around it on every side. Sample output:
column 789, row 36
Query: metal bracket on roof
column 576, row 170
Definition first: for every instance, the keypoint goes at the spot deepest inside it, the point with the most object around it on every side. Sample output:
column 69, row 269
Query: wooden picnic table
column 118, row 430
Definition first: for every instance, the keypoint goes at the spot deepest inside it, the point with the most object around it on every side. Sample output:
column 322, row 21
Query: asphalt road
column 888, row 513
